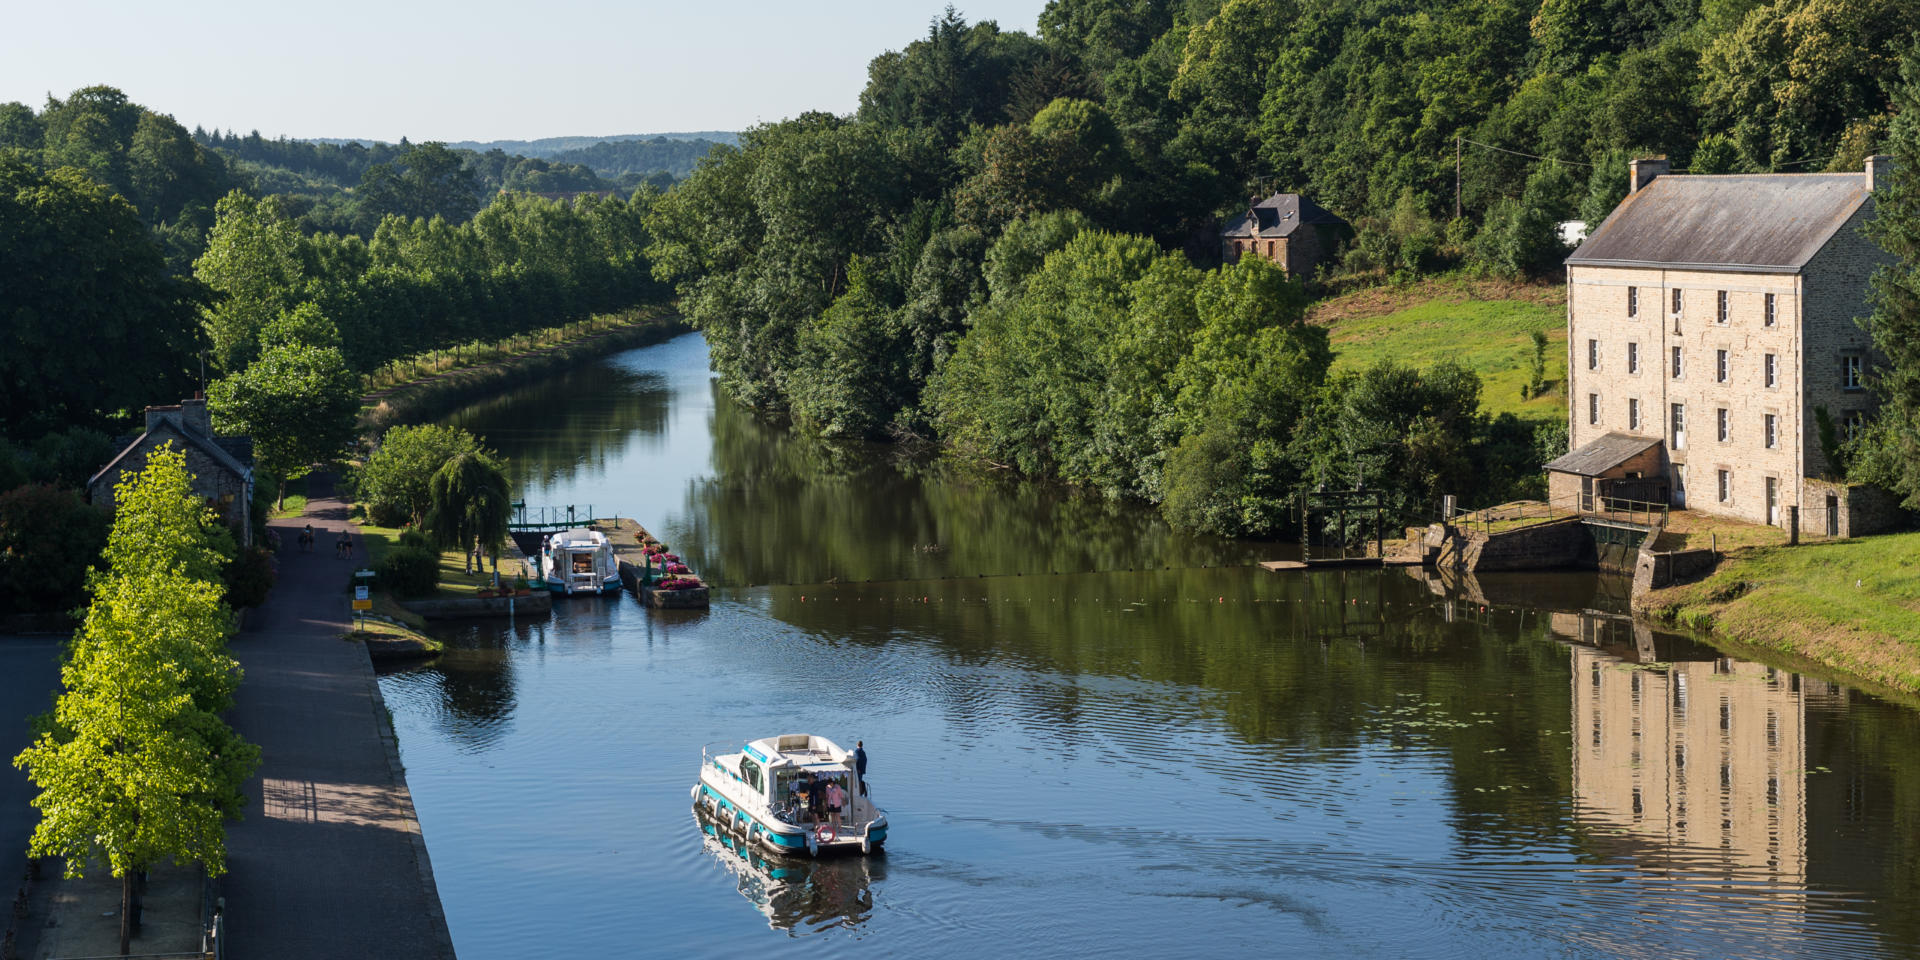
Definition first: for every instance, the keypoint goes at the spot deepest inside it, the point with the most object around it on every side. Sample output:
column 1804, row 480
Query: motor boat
column 774, row 792
column 579, row 561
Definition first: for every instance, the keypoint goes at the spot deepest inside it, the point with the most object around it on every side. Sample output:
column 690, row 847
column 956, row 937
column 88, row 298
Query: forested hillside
column 1012, row 246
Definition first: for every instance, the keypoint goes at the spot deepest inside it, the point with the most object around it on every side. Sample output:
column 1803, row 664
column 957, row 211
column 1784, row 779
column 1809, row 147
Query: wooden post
column 1456, row 176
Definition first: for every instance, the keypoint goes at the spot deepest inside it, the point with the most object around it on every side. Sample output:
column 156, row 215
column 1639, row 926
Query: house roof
column 1751, row 223
column 1278, row 216
column 1604, row 454
column 226, row 451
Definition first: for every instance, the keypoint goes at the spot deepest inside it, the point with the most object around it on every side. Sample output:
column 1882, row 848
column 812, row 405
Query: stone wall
column 1836, row 295
column 222, row 489
column 1860, row 510
column 1541, row 546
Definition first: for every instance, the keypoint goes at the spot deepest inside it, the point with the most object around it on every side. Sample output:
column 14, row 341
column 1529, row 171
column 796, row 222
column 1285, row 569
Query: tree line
column 1012, row 246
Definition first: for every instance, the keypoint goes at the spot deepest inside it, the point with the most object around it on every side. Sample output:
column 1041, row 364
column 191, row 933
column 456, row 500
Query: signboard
column 363, row 604
column 360, row 599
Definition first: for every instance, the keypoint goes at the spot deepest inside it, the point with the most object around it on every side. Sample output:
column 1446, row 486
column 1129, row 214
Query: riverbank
column 435, row 393
column 1850, row 605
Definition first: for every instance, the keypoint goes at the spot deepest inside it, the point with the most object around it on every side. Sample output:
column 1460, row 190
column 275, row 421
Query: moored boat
column 579, row 561
column 774, row 791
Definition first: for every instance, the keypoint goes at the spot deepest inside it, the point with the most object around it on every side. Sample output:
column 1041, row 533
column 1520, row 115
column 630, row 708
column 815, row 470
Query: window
column 1593, row 354
column 1679, row 426
column 1851, row 367
column 1633, row 302
column 1678, row 366
column 750, row 772
column 1724, row 423
column 1773, row 431
column 1633, row 414
column 1633, row 358
column 1726, row 486
column 1770, row 310
column 1269, row 249
column 1851, row 422
column 1720, row 308
column 1676, row 301
column 1593, row 408
column 1773, row 370
column 1720, row 365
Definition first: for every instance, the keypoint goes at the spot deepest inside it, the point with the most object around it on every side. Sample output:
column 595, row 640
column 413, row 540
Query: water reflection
column 799, row 896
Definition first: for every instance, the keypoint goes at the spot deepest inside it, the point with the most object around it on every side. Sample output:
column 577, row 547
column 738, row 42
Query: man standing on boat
column 860, row 764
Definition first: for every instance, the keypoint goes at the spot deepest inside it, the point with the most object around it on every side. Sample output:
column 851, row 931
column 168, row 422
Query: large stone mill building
column 1711, row 323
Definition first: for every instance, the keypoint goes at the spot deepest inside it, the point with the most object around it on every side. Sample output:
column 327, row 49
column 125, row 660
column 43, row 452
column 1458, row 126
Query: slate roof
column 1604, row 454
column 1278, row 216
column 1745, row 223
column 233, row 453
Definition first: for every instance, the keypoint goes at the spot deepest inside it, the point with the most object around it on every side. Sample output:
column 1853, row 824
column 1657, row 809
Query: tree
column 136, row 766
column 49, row 538
column 297, row 402
column 394, row 481
column 1892, row 458
column 469, row 506
column 257, row 265
column 92, row 323
column 425, row 182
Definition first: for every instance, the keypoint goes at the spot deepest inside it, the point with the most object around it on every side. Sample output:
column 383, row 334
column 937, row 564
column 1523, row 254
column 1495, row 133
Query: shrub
column 410, row 571
column 249, row 578
column 48, row 538
column 412, row 537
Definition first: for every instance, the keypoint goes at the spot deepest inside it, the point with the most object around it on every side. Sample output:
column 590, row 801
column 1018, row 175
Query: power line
column 1530, row 156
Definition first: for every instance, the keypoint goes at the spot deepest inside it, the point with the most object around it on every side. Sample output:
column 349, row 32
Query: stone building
column 1711, row 322
column 222, row 467
column 1289, row 230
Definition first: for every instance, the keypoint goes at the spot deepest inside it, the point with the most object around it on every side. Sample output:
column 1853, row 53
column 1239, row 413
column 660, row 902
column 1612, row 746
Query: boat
column 579, row 561
column 793, row 893
column 756, row 791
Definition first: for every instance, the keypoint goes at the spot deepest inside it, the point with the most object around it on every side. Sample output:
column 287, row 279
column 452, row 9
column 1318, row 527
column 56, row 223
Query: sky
column 467, row 69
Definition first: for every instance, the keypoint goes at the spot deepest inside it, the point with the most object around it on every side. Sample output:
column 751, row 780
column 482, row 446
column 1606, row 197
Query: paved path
column 29, row 677
column 329, row 861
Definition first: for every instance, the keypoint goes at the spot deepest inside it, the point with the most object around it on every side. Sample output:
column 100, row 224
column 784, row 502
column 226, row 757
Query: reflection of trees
column 581, row 418
column 1864, row 815
column 783, row 507
column 474, row 683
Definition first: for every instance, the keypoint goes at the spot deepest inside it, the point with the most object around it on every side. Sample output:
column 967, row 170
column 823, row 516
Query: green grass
column 1492, row 337
column 294, row 505
column 455, row 583
column 1853, row 605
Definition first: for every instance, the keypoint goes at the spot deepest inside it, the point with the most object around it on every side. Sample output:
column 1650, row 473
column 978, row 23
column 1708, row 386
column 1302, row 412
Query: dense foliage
column 393, row 481
column 980, row 254
column 49, row 538
column 1889, row 452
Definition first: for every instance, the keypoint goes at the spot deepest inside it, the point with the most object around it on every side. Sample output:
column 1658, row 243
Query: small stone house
column 1289, row 230
column 1712, row 320
column 222, row 467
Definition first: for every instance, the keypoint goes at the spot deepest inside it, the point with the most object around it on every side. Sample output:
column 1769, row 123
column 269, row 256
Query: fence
column 1490, row 520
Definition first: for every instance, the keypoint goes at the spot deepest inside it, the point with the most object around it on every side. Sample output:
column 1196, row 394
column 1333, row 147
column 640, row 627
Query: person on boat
column 836, row 798
column 818, row 797
column 803, row 791
column 860, row 764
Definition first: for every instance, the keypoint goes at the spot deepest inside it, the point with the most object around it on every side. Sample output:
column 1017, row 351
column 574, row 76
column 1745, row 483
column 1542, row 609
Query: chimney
column 193, row 415
column 1641, row 172
column 1879, row 167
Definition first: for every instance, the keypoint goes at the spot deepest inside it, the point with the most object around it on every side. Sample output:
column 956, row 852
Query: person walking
column 306, row 538
column 345, row 547
column 860, row 764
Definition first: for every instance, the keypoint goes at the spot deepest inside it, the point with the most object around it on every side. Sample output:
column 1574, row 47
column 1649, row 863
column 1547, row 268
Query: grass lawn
column 455, row 583
column 1687, row 530
column 1461, row 320
column 1850, row 604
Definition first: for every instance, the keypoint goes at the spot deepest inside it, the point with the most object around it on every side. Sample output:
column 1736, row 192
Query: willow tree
column 469, row 504
column 136, row 766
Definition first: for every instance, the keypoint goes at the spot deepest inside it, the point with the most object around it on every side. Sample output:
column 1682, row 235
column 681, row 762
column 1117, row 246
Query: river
column 1094, row 736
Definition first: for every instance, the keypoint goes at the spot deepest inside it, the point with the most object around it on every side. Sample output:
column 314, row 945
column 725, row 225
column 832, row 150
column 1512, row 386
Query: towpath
column 329, row 861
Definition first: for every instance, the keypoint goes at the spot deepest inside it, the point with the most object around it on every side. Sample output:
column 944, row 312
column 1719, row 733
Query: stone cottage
column 222, row 467
column 1711, row 323
column 1289, row 230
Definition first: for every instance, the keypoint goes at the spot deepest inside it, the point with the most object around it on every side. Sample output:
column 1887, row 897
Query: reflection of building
column 1704, row 759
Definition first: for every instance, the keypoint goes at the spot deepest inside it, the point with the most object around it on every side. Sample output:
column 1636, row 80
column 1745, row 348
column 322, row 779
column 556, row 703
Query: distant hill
column 552, row 145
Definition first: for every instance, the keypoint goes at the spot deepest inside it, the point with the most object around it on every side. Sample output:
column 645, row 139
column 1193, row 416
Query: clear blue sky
column 468, row 69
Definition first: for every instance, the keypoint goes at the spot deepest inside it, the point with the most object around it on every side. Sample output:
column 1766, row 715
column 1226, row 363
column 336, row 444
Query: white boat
column 756, row 793
column 579, row 561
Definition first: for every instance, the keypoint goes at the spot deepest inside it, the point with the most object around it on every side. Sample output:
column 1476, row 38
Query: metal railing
column 550, row 519
column 1507, row 516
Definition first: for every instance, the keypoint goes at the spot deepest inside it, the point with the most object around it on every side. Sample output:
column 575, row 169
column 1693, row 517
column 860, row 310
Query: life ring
column 827, row 833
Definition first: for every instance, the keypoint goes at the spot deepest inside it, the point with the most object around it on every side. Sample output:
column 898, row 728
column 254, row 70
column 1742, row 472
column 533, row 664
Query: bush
column 249, row 578
column 48, row 539
column 410, row 571
column 412, row 537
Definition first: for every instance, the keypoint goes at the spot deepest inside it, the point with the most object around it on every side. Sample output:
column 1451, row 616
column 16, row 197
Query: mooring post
column 1793, row 525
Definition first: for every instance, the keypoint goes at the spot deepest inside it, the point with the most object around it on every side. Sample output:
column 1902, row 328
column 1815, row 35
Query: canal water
column 1095, row 737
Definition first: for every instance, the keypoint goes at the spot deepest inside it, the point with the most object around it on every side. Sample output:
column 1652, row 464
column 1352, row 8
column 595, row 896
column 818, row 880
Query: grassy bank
column 455, row 582
column 1486, row 325
column 1853, row 605
column 447, row 379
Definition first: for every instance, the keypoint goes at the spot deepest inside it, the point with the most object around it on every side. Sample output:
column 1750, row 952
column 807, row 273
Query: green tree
column 297, row 402
column 136, row 767
column 394, row 480
column 469, row 505
column 49, row 538
column 1892, row 458
column 257, row 266
column 425, row 182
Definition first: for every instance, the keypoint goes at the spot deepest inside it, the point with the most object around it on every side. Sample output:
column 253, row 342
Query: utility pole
column 1456, row 176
